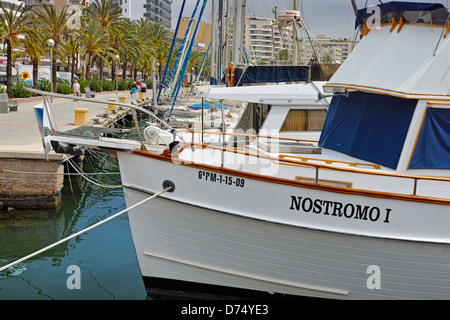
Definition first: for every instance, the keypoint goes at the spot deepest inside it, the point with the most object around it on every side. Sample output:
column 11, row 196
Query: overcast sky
column 333, row 18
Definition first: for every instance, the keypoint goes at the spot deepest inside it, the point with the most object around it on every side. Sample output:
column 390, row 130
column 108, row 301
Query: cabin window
column 368, row 126
column 304, row 120
column 432, row 149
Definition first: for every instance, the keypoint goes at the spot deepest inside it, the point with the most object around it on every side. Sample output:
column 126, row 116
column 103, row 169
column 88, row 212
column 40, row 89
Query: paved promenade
column 19, row 131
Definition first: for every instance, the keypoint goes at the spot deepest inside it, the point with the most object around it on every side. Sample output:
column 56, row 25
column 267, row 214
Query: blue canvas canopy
column 368, row 126
column 432, row 149
column 271, row 74
column 397, row 8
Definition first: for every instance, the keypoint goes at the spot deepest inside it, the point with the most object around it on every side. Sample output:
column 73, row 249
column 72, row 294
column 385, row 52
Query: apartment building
column 157, row 10
column 263, row 43
column 262, row 40
column 203, row 35
column 59, row 4
column 336, row 49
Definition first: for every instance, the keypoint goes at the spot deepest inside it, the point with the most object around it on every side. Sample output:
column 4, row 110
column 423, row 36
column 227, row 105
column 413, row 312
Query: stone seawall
column 21, row 189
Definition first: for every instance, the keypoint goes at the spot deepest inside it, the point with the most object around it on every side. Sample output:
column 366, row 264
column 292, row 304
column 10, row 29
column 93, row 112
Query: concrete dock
column 22, row 153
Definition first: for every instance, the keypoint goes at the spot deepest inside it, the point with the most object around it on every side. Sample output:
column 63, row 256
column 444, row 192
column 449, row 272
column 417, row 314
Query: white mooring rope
column 84, row 230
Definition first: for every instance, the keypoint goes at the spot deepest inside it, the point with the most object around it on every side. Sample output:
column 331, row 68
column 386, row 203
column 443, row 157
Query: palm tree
column 112, row 24
column 72, row 49
column 131, row 49
column 34, row 47
column 93, row 41
column 155, row 42
column 195, row 60
column 54, row 26
column 13, row 22
column 159, row 35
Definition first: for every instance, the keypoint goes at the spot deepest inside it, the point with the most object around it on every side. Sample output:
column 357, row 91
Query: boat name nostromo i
column 338, row 209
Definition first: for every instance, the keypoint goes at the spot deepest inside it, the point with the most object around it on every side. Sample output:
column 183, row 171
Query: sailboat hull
column 178, row 238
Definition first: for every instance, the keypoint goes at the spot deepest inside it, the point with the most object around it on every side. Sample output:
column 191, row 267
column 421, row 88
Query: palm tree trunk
column 35, row 74
column 72, row 70
column 124, row 73
column 54, row 73
column 101, row 70
column 113, row 71
column 88, row 67
column 8, row 68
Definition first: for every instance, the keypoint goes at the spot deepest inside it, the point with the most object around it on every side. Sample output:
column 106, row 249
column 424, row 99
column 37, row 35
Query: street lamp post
column 117, row 69
column 51, row 43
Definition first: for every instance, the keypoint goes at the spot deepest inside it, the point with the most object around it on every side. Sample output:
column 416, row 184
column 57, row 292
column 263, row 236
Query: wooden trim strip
column 168, row 158
column 394, row 93
column 440, row 103
column 418, row 134
column 351, row 164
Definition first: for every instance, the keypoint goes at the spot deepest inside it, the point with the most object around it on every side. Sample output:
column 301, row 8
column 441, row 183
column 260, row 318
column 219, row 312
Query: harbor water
column 103, row 259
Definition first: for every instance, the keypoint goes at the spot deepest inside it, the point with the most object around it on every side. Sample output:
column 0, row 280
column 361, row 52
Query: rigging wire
column 84, row 230
column 75, row 167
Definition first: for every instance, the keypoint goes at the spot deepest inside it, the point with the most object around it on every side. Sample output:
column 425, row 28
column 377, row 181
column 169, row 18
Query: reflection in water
column 105, row 255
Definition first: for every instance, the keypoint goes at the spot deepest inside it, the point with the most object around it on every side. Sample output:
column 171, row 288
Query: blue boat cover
column 271, row 74
column 368, row 126
column 432, row 149
column 396, row 7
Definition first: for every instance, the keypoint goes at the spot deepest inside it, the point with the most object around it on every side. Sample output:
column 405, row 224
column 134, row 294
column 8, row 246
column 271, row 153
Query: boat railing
column 235, row 134
column 319, row 166
column 133, row 107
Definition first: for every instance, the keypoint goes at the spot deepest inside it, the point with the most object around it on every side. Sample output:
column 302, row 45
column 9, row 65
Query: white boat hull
column 216, row 234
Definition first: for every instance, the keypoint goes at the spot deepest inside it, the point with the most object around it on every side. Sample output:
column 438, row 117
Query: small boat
column 360, row 213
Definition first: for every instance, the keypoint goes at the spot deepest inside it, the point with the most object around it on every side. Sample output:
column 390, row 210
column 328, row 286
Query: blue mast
column 183, row 43
column 171, row 50
column 188, row 54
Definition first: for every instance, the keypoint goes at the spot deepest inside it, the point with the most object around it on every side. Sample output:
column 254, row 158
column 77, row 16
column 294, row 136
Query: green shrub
column 63, row 86
column 125, row 84
column 96, row 85
column 83, row 83
column 108, row 85
column 19, row 92
column 44, row 85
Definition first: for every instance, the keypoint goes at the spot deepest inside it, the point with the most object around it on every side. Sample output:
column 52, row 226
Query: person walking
column 76, row 89
column 133, row 89
column 143, row 87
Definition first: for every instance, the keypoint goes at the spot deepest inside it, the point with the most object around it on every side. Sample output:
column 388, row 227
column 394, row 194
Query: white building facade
column 156, row 10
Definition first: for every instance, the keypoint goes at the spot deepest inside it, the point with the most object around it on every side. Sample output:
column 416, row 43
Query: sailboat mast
column 220, row 47
column 213, row 66
column 355, row 7
column 295, row 30
column 226, row 58
column 238, row 31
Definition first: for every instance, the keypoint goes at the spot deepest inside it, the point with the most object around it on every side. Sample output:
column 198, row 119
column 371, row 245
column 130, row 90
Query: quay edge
column 21, row 189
